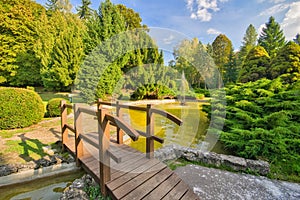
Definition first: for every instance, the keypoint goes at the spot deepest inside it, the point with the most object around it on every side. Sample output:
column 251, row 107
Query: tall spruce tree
column 272, row 37
column 84, row 11
column 249, row 42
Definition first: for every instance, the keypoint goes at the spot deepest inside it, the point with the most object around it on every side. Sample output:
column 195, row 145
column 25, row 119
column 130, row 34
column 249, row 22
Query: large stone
column 235, row 163
column 258, row 166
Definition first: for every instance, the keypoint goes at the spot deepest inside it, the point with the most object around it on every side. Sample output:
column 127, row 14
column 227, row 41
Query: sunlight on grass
column 27, row 149
column 11, row 133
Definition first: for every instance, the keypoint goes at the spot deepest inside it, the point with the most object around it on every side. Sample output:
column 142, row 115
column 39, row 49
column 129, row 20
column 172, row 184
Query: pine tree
column 249, row 42
column 272, row 37
column 61, row 5
column 84, row 11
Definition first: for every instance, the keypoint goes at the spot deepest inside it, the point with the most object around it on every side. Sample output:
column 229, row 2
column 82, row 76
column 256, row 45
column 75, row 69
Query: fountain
column 184, row 86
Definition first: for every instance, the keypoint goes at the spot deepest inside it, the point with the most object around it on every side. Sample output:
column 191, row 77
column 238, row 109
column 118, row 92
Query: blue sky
column 205, row 19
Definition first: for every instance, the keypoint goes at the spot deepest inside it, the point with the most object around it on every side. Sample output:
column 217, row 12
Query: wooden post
column 78, row 131
column 64, row 130
column 150, row 132
column 120, row 133
column 104, row 159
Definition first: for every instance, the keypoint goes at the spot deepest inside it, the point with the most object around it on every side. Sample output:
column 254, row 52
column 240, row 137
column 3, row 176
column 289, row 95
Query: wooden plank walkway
column 136, row 176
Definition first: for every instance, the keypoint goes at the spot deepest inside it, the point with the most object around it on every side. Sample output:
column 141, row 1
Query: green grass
column 10, row 133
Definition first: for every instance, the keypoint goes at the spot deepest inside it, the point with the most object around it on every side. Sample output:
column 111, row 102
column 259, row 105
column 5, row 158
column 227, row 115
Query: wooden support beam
column 64, row 130
column 150, row 132
column 120, row 132
column 78, row 131
column 104, row 159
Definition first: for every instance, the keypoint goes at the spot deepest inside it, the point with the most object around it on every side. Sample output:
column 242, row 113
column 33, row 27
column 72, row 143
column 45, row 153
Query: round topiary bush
column 53, row 107
column 19, row 108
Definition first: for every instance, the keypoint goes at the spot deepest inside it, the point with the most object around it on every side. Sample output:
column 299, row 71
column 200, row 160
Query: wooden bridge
column 121, row 171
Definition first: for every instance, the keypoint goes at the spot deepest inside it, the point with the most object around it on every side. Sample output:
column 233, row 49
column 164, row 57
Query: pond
column 190, row 134
column 43, row 189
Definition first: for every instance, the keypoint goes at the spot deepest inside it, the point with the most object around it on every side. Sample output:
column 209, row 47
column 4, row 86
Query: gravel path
column 216, row 184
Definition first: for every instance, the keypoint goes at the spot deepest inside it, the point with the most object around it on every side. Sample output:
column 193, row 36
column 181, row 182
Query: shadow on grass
column 31, row 146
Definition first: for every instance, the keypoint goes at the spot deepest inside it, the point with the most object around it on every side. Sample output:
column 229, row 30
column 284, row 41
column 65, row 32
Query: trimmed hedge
column 53, row 107
column 19, row 108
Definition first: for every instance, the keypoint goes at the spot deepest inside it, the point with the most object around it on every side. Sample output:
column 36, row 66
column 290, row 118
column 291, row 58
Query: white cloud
column 271, row 1
column 212, row 31
column 203, row 9
column 291, row 21
column 169, row 40
column 274, row 10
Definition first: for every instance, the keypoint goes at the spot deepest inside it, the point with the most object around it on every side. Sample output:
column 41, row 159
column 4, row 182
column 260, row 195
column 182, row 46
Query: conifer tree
column 256, row 65
column 272, row 37
column 84, row 11
column 249, row 42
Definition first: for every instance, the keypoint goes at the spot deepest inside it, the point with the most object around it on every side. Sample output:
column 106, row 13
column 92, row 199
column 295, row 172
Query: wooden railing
column 104, row 121
column 149, row 134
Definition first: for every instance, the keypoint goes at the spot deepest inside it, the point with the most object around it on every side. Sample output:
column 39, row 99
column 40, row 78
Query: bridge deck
column 135, row 177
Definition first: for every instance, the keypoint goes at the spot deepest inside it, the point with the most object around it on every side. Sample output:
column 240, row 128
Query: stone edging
column 32, row 174
column 173, row 152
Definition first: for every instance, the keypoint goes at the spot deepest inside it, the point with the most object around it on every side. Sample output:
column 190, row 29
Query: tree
column 84, row 11
column 249, row 42
column 286, row 64
column 61, row 5
column 192, row 58
column 255, row 65
column 18, row 34
column 297, row 39
column 272, row 37
column 64, row 55
column 117, row 49
column 222, row 50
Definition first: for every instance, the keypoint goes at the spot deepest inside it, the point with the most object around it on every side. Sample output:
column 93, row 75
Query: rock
column 258, row 166
column 236, row 163
column 173, row 152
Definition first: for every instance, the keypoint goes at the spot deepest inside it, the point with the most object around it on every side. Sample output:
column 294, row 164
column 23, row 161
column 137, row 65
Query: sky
column 206, row 19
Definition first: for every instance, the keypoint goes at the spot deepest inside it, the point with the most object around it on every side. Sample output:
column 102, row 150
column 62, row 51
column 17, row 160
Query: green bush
column 19, row 108
column 53, row 107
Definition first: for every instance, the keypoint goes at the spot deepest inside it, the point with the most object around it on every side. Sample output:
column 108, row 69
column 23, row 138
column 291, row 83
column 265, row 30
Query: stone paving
column 214, row 184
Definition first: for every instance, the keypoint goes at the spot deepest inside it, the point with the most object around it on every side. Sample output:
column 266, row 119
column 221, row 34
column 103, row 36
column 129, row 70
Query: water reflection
column 190, row 134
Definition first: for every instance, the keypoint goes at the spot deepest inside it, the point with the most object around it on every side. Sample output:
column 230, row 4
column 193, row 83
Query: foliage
column 222, row 54
column 262, row 121
column 53, row 107
column 255, row 65
column 192, row 59
column 297, row 39
column 287, row 63
column 272, row 37
column 18, row 34
column 113, row 51
column 248, row 43
column 62, row 57
column 19, row 108
column 84, row 11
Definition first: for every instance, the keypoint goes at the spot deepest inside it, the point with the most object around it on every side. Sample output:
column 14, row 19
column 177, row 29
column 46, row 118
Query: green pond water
column 40, row 189
column 190, row 134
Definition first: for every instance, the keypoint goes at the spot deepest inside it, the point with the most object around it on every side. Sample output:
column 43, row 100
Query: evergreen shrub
column 53, row 107
column 19, row 108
